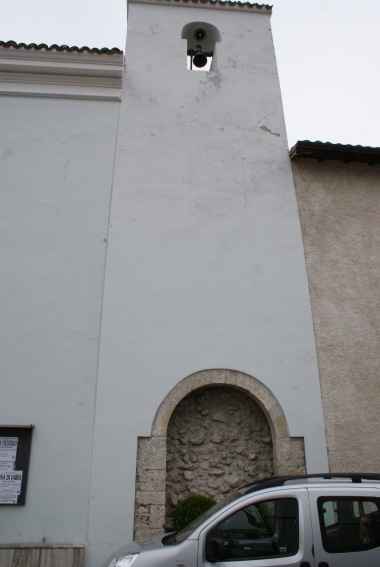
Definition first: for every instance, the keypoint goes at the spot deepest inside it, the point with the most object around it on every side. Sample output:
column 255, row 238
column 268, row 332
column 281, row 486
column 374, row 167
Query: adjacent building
column 338, row 194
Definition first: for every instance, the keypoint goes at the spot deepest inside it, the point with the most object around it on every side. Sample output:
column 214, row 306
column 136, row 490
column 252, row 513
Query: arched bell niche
column 201, row 38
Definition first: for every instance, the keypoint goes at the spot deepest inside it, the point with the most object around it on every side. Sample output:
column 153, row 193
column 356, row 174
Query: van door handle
column 305, row 564
column 323, row 564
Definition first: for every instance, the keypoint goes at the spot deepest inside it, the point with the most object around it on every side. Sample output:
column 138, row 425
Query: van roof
column 307, row 478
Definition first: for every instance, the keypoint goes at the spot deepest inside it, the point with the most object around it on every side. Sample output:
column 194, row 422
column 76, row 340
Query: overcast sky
column 327, row 54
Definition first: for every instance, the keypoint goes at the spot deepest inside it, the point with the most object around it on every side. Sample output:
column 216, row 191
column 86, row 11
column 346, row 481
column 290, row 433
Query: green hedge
column 189, row 508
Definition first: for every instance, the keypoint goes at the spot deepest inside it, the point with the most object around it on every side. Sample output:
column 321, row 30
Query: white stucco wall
column 205, row 265
column 56, row 175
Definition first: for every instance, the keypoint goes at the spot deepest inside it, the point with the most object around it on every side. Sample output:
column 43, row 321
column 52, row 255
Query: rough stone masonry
column 218, row 439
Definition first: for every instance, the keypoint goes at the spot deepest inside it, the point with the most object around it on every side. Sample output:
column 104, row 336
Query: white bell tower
column 205, row 265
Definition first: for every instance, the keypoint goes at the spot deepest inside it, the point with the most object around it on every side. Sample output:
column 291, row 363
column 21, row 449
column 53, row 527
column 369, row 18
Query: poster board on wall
column 15, row 447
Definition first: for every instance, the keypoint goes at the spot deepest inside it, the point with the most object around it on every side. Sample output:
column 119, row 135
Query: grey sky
column 327, row 53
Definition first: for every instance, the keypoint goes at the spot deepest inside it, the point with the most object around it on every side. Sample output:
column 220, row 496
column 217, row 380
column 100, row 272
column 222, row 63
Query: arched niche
column 288, row 452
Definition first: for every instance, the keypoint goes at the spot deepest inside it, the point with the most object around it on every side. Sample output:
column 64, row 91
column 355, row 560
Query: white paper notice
column 6, row 466
column 10, row 487
column 8, row 449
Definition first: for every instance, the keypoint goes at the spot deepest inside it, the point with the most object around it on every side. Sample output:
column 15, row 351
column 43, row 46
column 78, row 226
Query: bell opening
column 201, row 38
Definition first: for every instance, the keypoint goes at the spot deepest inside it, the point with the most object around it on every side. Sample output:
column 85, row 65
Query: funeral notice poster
column 10, row 487
column 8, row 451
column 10, row 479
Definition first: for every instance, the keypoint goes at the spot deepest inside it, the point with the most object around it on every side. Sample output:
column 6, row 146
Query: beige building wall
column 339, row 207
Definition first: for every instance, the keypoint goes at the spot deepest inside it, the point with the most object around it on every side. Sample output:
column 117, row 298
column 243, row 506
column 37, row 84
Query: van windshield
column 183, row 534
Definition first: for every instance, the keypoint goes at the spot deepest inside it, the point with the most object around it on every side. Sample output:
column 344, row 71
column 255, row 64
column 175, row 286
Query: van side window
column 349, row 524
column 262, row 530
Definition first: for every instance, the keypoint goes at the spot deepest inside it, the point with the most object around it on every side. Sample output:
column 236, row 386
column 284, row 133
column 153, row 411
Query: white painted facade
column 170, row 232
column 58, row 143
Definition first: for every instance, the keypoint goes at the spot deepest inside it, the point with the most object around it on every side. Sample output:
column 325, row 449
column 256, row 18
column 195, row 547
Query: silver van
column 329, row 520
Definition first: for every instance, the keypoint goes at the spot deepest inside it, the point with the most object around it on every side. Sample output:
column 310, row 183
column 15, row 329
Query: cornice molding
column 53, row 73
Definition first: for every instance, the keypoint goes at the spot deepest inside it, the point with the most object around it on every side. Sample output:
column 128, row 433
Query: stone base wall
column 150, row 486
column 41, row 555
column 218, row 439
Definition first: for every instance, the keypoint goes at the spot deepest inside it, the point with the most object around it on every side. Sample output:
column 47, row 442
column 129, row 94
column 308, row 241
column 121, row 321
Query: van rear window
column 349, row 524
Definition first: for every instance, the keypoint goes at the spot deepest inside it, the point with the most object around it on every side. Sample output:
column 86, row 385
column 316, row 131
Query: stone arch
column 288, row 452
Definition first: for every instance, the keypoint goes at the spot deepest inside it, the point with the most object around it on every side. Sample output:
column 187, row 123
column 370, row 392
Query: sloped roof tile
column 211, row 3
column 55, row 47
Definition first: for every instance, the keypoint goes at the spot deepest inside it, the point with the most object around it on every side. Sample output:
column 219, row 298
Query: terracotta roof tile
column 230, row 3
column 55, row 47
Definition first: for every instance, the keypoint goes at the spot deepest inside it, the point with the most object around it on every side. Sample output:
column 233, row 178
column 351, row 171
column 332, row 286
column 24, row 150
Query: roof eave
column 338, row 152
